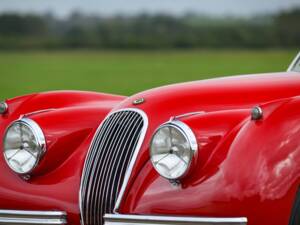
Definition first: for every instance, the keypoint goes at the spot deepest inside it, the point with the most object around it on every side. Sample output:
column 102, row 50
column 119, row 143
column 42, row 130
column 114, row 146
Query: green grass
column 127, row 72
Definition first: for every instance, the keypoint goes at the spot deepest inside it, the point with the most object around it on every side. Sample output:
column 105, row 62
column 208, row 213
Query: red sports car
column 220, row 151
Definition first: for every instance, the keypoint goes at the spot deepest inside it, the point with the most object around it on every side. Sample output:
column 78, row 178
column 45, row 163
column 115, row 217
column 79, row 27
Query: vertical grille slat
column 100, row 144
column 122, row 167
column 103, row 185
column 126, row 155
column 112, row 150
column 105, row 158
column 113, row 168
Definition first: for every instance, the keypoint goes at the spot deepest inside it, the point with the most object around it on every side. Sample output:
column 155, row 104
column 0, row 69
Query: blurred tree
column 18, row 25
column 287, row 26
column 149, row 31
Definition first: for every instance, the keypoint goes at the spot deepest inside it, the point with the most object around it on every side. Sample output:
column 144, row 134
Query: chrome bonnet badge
column 138, row 101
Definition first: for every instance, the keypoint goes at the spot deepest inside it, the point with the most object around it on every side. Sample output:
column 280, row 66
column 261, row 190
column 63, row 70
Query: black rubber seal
column 295, row 217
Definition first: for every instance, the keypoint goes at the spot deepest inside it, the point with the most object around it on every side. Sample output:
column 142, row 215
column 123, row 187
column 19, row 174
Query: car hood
column 218, row 94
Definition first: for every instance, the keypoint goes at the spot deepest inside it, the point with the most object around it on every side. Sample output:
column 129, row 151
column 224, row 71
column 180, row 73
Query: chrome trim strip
column 36, row 112
column 186, row 115
column 14, row 217
column 132, row 162
column 113, row 219
column 294, row 63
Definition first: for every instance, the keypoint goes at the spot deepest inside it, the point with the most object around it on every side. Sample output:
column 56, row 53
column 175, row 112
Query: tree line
column 145, row 31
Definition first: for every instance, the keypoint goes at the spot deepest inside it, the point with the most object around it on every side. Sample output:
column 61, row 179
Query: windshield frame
column 295, row 65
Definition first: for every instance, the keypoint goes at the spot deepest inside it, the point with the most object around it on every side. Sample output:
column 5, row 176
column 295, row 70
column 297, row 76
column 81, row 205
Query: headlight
column 24, row 145
column 172, row 149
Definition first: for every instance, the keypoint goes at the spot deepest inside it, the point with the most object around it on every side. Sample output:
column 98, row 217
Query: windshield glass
column 296, row 64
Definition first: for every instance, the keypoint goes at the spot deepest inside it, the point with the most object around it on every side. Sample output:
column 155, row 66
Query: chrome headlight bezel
column 39, row 139
column 190, row 137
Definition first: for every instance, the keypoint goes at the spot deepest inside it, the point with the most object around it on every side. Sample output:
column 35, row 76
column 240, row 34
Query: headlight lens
column 24, row 144
column 172, row 149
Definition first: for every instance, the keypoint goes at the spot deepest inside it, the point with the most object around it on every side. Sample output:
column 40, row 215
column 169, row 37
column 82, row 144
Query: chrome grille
column 112, row 153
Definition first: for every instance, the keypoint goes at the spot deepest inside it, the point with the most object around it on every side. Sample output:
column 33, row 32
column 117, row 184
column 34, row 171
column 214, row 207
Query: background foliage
column 149, row 31
column 128, row 54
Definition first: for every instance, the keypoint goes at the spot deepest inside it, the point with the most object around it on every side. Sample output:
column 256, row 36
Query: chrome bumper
column 16, row 217
column 117, row 219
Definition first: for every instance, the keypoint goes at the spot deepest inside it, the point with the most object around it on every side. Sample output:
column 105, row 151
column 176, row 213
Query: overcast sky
column 109, row 7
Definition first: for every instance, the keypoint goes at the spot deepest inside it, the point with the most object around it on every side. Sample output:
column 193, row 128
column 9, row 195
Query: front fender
column 253, row 172
column 69, row 121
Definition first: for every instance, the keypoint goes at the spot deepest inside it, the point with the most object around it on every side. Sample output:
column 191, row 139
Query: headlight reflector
column 172, row 149
column 24, row 145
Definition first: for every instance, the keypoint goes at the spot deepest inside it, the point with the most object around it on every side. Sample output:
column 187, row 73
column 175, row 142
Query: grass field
column 127, row 72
